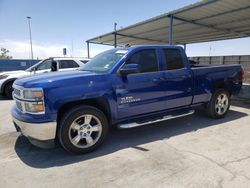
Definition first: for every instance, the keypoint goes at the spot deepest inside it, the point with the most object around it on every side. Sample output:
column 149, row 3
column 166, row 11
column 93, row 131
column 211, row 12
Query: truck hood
column 57, row 79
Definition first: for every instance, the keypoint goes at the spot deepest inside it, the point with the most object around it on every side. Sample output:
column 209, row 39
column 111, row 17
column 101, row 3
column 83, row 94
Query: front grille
column 17, row 92
column 19, row 105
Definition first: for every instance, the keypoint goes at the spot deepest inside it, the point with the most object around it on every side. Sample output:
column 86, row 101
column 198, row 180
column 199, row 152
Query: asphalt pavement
column 193, row 151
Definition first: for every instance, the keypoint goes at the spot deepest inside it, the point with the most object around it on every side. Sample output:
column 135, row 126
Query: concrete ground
column 193, row 151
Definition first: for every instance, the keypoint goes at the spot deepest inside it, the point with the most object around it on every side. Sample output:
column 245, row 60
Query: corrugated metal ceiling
column 208, row 20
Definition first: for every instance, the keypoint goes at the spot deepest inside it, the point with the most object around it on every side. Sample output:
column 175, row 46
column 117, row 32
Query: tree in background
column 4, row 54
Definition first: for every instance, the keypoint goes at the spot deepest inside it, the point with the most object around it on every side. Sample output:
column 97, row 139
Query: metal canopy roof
column 208, row 20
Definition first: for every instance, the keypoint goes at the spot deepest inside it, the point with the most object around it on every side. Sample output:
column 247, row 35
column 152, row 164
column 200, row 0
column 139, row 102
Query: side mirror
column 129, row 69
column 34, row 69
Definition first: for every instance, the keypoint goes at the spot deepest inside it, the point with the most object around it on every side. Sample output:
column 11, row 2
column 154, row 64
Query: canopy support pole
column 170, row 30
column 88, row 49
column 115, row 36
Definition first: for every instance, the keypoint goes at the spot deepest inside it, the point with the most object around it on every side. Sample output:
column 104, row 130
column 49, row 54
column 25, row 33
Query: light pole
column 31, row 49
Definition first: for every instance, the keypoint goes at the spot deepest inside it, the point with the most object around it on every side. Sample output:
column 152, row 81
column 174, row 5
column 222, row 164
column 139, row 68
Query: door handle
column 185, row 76
column 159, row 79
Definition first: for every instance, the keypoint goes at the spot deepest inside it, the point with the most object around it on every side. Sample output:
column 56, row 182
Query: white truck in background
column 44, row 66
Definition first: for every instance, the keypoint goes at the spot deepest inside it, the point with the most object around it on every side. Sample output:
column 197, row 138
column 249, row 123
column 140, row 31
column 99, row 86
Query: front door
column 142, row 92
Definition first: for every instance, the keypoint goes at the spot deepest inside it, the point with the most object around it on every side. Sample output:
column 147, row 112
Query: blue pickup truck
column 122, row 87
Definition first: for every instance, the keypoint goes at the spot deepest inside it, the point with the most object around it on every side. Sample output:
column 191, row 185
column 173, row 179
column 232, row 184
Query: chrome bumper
column 38, row 131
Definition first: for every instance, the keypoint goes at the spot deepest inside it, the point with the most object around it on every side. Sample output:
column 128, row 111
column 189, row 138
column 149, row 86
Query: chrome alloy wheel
column 221, row 104
column 85, row 131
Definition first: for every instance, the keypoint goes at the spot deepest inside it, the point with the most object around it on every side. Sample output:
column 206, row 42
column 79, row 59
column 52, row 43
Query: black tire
column 216, row 109
column 65, row 130
column 8, row 90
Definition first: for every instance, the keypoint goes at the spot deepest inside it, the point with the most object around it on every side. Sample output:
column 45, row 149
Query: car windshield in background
column 30, row 69
column 104, row 61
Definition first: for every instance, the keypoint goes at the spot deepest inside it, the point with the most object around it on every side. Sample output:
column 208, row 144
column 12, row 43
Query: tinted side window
column 173, row 59
column 44, row 65
column 65, row 64
column 147, row 60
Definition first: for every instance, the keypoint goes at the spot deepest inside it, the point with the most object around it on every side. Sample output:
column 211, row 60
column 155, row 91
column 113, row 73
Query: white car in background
column 44, row 66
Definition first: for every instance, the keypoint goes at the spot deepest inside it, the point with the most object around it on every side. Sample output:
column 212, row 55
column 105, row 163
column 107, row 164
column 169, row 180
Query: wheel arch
column 5, row 83
column 225, row 84
column 100, row 103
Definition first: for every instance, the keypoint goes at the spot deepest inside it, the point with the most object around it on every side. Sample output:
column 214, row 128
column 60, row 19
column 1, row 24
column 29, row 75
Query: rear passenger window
column 66, row 64
column 173, row 59
column 146, row 59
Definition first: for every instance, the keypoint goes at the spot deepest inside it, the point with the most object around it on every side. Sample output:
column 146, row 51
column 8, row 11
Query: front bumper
column 40, row 134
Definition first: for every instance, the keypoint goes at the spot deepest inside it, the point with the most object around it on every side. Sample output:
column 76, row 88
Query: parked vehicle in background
column 44, row 66
column 123, row 87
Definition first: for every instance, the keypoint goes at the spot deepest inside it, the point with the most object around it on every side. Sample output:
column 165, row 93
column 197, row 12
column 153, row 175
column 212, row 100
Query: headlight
column 34, row 100
column 33, row 94
column 3, row 76
column 35, row 107
column 29, row 100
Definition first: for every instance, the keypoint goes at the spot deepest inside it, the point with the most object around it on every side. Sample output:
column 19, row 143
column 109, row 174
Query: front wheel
column 219, row 104
column 82, row 129
column 8, row 90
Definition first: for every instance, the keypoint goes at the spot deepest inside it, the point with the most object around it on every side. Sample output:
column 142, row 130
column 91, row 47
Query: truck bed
column 208, row 76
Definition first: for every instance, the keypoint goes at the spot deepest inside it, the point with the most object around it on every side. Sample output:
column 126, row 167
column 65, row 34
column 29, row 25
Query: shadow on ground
column 120, row 139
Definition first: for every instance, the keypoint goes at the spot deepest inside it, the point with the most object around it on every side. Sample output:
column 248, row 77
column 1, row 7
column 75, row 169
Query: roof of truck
column 147, row 45
column 68, row 58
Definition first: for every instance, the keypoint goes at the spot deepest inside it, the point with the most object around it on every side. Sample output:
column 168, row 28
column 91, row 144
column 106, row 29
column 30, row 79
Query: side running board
column 168, row 117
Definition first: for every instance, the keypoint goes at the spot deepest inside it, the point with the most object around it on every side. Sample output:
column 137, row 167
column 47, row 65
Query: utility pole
column 31, row 49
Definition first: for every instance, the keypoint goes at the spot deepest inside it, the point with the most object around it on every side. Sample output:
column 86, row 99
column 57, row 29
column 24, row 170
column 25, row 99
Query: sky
column 58, row 24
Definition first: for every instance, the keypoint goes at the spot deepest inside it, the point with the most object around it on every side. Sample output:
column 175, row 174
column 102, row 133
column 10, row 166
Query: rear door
column 142, row 92
column 178, row 79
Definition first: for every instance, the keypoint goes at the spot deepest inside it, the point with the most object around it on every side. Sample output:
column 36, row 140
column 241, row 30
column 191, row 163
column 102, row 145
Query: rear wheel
column 8, row 90
column 83, row 129
column 219, row 104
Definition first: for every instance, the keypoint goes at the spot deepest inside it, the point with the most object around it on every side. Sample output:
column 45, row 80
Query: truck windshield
column 104, row 61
